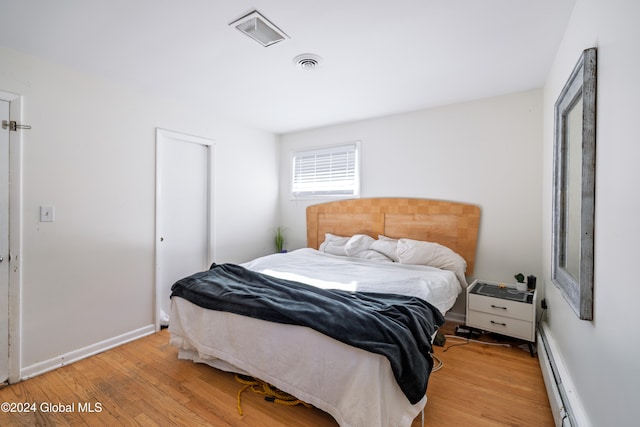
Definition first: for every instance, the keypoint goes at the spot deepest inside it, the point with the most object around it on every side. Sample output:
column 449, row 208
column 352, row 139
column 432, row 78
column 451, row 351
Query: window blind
column 330, row 171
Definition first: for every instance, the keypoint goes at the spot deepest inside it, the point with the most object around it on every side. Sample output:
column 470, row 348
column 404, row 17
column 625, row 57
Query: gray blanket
column 395, row 326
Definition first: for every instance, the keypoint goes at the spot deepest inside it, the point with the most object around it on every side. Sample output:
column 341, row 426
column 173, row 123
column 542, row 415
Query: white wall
column 603, row 355
column 89, row 276
column 486, row 152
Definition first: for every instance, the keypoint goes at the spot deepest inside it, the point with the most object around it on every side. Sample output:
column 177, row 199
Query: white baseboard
column 566, row 405
column 73, row 356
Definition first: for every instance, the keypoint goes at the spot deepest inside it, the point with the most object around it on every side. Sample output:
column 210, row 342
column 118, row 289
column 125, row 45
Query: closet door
column 183, row 212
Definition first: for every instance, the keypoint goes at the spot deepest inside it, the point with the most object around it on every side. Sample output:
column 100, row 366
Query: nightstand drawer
column 501, row 307
column 500, row 324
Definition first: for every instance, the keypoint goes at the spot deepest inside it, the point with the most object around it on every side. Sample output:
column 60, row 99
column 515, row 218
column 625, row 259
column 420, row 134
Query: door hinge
column 13, row 126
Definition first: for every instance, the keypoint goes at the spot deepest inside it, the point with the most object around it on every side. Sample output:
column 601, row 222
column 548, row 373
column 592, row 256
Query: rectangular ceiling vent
column 259, row 28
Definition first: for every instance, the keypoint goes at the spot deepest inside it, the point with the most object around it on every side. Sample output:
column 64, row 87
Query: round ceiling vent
column 307, row 61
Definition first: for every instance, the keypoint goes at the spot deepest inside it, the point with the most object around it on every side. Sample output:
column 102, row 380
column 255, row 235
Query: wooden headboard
column 451, row 224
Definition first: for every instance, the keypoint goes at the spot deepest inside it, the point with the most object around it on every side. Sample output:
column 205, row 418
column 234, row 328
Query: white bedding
column 356, row 387
column 439, row 287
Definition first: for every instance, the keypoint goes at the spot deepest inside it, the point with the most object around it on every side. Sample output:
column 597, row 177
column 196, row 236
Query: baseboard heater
column 565, row 404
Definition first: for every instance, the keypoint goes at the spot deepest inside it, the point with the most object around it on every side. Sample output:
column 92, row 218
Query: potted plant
column 520, row 283
column 279, row 240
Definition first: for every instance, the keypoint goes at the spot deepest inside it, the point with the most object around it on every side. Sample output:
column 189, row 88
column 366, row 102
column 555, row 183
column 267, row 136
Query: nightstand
column 501, row 308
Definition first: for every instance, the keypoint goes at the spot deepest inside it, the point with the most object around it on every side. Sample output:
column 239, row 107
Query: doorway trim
column 162, row 134
column 15, row 235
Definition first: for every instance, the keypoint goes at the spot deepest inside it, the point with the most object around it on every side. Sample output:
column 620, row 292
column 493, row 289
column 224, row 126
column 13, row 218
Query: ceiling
column 379, row 58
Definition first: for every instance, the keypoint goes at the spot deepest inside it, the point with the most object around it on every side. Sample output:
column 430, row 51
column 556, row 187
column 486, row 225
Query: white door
column 4, row 244
column 183, row 212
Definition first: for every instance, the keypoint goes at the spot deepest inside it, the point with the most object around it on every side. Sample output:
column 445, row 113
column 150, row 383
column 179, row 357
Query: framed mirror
column 574, row 187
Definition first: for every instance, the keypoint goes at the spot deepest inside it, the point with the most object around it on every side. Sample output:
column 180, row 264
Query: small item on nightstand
column 531, row 282
column 520, row 283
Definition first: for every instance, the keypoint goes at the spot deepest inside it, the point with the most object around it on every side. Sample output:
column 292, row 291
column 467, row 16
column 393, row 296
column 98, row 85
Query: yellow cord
column 271, row 393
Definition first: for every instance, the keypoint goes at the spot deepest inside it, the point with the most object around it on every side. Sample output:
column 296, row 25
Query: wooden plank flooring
column 143, row 383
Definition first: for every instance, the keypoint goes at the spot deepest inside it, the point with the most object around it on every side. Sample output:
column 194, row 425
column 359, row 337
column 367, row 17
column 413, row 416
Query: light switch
column 47, row 213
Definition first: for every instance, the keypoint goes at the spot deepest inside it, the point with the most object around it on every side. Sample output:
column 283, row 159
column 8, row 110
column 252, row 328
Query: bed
column 357, row 386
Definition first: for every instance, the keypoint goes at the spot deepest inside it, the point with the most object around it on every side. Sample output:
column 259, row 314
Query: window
column 326, row 172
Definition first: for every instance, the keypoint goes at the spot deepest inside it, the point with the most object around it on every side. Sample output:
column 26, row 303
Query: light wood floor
column 143, row 383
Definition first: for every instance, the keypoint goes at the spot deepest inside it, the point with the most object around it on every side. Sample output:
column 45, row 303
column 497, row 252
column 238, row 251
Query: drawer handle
column 498, row 323
column 497, row 306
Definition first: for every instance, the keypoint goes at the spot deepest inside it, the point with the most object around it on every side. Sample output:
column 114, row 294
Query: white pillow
column 432, row 254
column 386, row 246
column 358, row 243
column 334, row 245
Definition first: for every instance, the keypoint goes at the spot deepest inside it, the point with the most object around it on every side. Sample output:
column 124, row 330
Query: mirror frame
column 578, row 291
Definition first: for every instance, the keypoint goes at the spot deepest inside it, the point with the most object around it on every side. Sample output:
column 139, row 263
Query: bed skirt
column 354, row 386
